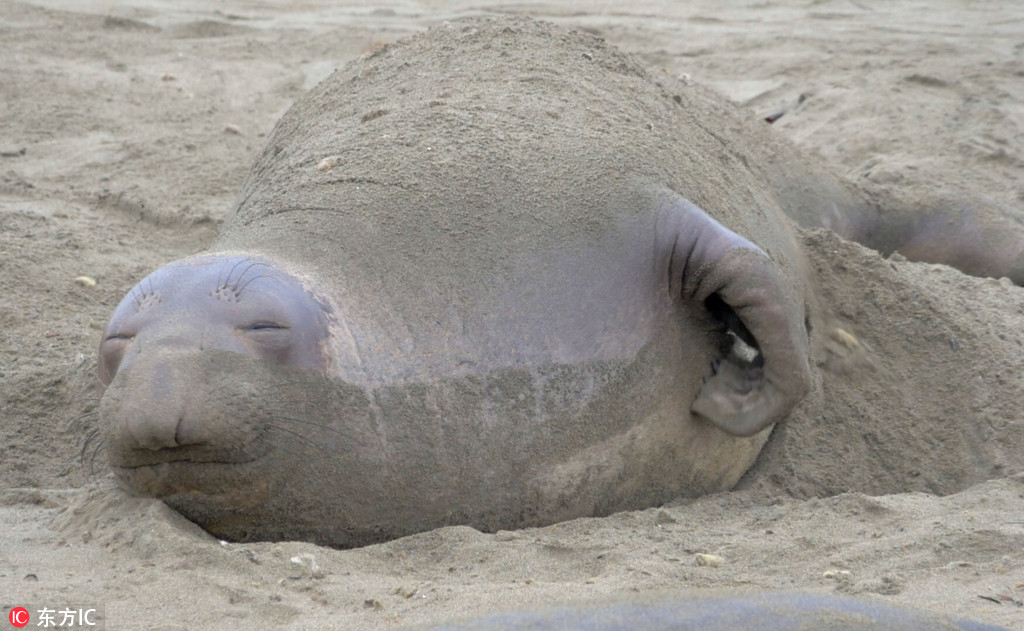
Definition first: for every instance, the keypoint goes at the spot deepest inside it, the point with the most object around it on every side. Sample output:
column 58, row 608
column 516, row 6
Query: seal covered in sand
column 496, row 274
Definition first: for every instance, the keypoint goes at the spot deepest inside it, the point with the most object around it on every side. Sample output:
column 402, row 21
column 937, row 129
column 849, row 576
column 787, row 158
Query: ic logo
column 18, row 616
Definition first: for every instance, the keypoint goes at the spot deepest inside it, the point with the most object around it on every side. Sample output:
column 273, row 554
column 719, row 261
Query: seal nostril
column 150, row 434
column 188, row 432
column 177, row 430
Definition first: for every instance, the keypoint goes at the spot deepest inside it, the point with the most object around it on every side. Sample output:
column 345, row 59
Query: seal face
column 533, row 289
column 241, row 305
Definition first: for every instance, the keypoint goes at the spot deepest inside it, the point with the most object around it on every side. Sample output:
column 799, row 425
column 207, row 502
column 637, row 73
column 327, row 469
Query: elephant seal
column 753, row 612
column 496, row 274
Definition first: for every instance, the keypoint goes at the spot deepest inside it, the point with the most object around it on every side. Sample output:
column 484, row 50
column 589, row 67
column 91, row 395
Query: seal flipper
column 737, row 281
column 974, row 233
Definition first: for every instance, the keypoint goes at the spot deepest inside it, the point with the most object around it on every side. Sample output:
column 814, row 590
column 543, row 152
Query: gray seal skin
column 496, row 274
column 754, row 612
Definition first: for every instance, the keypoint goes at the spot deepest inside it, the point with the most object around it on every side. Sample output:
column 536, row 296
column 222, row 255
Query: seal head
column 237, row 304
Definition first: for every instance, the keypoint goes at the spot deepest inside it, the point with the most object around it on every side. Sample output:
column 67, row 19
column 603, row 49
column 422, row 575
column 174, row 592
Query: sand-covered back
column 127, row 128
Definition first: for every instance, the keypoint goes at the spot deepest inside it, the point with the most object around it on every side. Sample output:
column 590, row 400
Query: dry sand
column 126, row 128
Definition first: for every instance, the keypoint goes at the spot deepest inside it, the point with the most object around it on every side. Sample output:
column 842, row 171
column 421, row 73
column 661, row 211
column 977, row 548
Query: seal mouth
column 142, row 458
column 210, row 485
column 212, row 476
column 232, row 448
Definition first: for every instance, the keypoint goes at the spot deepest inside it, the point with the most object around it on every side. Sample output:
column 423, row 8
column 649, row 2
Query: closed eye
column 270, row 339
column 112, row 351
column 264, row 326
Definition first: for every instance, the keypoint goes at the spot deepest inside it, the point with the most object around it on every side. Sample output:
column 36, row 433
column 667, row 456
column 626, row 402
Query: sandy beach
column 127, row 127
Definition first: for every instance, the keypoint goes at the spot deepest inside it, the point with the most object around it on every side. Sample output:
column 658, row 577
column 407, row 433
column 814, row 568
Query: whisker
column 81, row 418
column 239, row 290
column 280, row 445
column 227, row 279
column 86, row 458
column 234, row 284
column 136, row 297
column 303, row 439
column 301, row 421
column 252, row 264
column 311, row 378
column 100, row 445
column 89, row 437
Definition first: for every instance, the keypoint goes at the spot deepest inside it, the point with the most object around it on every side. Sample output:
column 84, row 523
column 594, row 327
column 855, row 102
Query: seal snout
column 154, row 407
column 163, row 422
column 185, row 407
